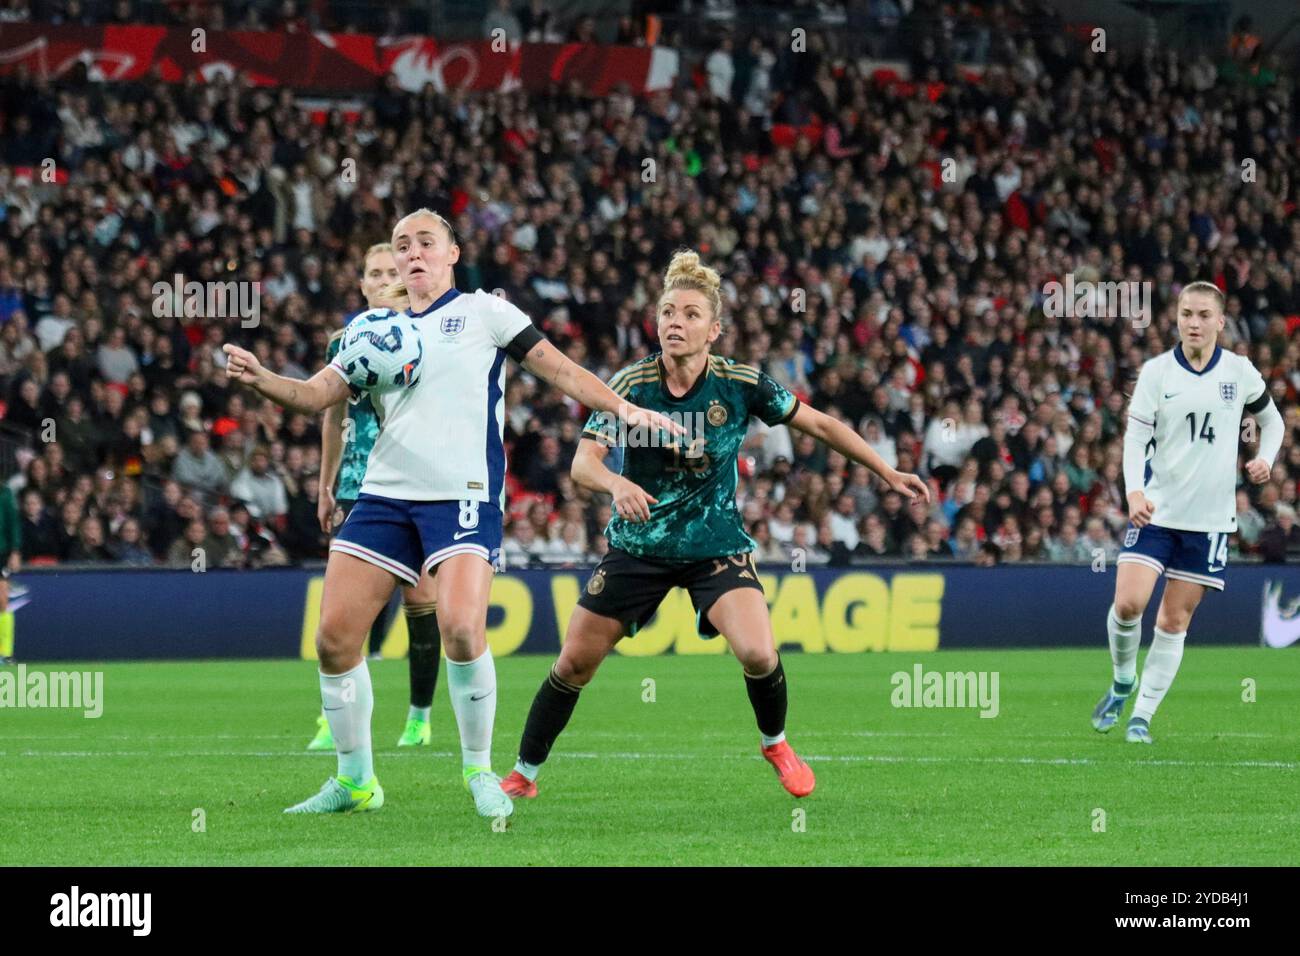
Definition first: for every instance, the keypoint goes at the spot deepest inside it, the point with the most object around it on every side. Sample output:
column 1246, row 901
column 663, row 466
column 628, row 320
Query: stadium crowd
column 887, row 249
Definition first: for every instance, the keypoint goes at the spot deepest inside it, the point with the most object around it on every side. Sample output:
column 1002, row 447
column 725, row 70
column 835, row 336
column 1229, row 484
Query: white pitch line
column 919, row 734
column 632, row 755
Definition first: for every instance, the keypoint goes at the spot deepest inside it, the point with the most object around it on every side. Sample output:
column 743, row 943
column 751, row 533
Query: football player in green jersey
column 346, row 439
column 675, row 521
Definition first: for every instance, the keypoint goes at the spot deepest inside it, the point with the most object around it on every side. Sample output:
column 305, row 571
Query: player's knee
column 330, row 650
column 1173, row 622
column 460, row 634
column 758, row 661
column 575, row 670
column 1128, row 608
column 331, row 642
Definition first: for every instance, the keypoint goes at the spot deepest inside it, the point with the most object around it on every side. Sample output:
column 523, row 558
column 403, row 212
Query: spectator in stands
column 501, row 18
column 128, row 546
column 965, row 542
column 197, row 466
column 220, row 544
column 182, row 552
column 543, row 470
column 302, row 532
column 261, row 488
column 1280, row 542
column 721, row 70
column 1250, row 523
column 115, row 359
column 39, row 531
column 53, row 327
column 89, row 547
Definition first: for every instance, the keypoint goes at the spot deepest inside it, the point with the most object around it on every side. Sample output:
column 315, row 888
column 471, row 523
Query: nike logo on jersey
column 462, row 534
column 1170, row 394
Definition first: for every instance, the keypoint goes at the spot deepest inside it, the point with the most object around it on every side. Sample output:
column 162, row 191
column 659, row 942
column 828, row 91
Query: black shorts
column 630, row 589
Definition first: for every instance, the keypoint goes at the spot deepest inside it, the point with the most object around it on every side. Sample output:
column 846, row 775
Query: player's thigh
column 741, row 616
column 355, row 592
column 426, row 592
column 463, row 587
column 588, row 640
column 1178, row 604
column 1134, row 585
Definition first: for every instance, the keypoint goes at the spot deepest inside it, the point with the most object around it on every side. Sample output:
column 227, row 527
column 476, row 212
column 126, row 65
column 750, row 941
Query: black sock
column 767, row 695
column 422, row 625
column 551, row 710
column 379, row 627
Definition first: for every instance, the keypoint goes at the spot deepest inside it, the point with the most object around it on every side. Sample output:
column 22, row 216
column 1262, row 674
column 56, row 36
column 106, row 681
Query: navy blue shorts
column 407, row 538
column 1196, row 556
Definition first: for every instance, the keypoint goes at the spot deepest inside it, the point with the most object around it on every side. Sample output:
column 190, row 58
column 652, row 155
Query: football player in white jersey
column 1187, row 407
column 431, row 503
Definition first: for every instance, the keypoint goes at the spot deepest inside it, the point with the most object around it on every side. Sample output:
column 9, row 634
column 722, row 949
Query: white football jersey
column 443, row 439
column 1191, row 475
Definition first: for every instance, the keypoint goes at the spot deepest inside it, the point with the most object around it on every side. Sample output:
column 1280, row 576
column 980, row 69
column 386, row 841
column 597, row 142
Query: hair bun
column 686, row 267
column 686, row 271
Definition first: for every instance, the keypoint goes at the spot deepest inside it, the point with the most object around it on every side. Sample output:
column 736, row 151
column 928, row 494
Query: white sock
column 348, row 701
column 772, row 741
column 1125, row 639
column 529, row 770
column 1158, row 672
column 419, row 713
column 472, row 686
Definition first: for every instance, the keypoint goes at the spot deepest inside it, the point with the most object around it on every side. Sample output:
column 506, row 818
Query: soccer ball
column 381, row 349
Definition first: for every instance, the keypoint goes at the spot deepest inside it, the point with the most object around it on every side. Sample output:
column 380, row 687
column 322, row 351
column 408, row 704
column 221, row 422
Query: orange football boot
column 796, row 776
column 516, row 785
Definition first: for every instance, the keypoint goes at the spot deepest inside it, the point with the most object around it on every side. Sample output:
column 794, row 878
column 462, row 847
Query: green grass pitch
column 678, row 780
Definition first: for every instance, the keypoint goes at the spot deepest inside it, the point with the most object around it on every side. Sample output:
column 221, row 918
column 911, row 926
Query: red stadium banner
column 327, row 61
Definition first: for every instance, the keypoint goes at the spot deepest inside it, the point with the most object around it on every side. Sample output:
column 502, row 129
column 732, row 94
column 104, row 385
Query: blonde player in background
column 1188, row 404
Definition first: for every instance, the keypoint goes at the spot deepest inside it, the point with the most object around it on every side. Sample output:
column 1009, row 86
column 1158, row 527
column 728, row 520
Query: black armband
column 522, row 343
column 1259, row 404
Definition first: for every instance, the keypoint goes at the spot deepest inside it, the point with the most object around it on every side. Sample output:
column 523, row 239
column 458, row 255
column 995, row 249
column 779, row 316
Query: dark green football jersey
column 693, row 476
column 358, row 437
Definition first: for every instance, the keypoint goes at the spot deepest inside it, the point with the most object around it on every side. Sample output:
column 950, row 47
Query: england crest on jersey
column 452, row 324
column 1228, row 392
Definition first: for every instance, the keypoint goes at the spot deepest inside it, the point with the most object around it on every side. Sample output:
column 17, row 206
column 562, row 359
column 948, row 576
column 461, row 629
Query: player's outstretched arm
column 322, row 390
column 551, row 365
column 853, row 446
column 589, row 471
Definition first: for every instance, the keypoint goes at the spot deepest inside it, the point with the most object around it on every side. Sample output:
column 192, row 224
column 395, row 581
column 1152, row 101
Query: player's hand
column 635, row 416
column 631, row 500
column 1140, row 509
column 1258, row 471
column 15, row 560
column 907, row 485
column 325, row 510
column 241, row 365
